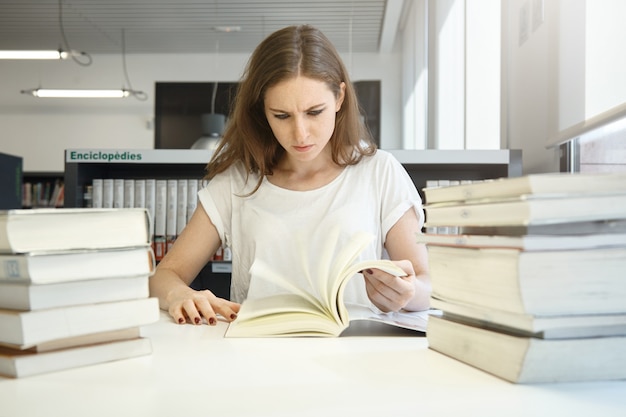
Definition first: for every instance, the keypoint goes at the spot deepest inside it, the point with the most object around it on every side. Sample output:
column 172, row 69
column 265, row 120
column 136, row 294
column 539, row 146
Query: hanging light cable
column 75, row 55
column 64, row 52
column 139, row 95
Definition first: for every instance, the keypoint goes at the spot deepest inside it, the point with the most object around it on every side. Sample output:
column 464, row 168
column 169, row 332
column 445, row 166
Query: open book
column 298, row 311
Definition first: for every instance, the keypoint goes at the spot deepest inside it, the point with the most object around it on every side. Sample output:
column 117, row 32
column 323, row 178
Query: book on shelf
column 160, row 219
column 527, row 210
column 34, row 230
column 523, row 359
column 586, row 281
column 547, row 185
column 525, row 242
column 316, row 311
column 74, row 265
column 573, row 325
column 20, row 296
column 20, row 363
column 32, row 327
column 96, row 193
column 118, row 193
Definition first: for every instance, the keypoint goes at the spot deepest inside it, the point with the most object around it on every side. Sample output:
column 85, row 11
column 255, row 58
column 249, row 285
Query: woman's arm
column 412, row 292
column 182, row 263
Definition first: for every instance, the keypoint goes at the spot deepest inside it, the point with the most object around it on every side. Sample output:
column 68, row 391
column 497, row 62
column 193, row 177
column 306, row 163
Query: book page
column 297, row 305
column 282, row 315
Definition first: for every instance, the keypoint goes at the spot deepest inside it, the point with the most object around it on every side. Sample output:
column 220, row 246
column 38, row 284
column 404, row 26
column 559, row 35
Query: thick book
column 15, row 296
column 26, row 328
column 525, row 242
column 77, row 265
column 585, row 281
column 316, row 311
column 528, row 210
column 544, row 327
column 549, row 184
column 87, row 339
column 576, row 228
column 18, row 364
column 527, row 360
column 72, row 228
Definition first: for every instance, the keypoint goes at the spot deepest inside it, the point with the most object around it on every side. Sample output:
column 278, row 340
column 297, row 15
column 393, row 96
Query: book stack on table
column 73, row 288
column 533, row 287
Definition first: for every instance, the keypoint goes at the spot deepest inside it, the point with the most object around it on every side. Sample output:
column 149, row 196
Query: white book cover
column 96, row 192
column 129, row 193
column 140, row 193
column 160, row 207
column 118, row 193
column 107, row 193
column 172, row 206
column 151, row 201
column 181, row 210
column 192, row 197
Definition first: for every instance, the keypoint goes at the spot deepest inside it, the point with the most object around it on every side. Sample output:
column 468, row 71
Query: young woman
column 295, row 176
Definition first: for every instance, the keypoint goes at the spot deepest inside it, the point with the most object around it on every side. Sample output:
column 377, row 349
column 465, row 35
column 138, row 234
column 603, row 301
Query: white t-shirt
column 290, row 229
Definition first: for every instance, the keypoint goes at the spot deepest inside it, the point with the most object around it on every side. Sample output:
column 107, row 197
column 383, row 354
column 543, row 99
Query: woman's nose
column 300, row 129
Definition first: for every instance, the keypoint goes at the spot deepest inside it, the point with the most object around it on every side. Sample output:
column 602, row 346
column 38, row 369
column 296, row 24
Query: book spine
column 151, row 205
column 192, row 197
column 129, row 193
column 96, row 193
column 140, row 193
column 181, row 210
column 14, row 268
column 171, row 213
column 107, row 193
column 118, row 193
column 160, row 219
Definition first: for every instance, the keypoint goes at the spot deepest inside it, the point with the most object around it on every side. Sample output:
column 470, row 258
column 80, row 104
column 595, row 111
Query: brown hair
column 289, row 52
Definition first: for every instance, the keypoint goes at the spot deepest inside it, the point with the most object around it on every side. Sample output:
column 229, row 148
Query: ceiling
column 189, row 26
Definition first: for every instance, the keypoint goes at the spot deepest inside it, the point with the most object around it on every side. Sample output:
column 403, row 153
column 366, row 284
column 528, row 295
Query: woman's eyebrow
column 314, row 107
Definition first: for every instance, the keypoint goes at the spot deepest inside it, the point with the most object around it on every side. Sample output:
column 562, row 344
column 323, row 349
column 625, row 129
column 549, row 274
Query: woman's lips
column 303, row 148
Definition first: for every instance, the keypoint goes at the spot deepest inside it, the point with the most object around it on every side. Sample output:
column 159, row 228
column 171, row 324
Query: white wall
column 532, row 83
column 40, row 130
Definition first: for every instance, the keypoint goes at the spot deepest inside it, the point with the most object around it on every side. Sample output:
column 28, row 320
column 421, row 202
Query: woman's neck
column 305, row 175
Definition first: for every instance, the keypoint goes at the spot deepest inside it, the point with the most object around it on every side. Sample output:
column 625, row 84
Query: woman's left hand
column 389, row 292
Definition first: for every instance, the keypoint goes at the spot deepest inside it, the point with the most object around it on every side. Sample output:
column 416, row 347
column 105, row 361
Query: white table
column 194, row 371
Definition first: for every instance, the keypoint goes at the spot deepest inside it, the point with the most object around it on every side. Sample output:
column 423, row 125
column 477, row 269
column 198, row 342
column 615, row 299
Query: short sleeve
column 398, row 193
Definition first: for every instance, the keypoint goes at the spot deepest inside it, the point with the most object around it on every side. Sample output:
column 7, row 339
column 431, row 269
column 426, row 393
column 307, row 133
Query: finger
column 226, row 308
column 190, row 310
column 206, row 309
column 177, row 314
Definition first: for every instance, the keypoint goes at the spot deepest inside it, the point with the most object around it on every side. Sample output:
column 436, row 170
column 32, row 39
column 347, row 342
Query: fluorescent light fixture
column 52, row 54
column 68, row 93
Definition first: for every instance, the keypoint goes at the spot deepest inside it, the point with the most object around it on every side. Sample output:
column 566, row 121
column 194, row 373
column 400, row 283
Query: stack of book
column 533, row 287
column 73, row 288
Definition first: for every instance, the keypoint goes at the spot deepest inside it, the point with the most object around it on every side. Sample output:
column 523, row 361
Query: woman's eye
column 315, row 112
column 281, row 116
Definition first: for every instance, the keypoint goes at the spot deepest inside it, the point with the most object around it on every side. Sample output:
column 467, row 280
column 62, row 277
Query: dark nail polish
column 196, row 320
column 233, row 316
column 181, row 320
column 369, row 271
column 211, row 321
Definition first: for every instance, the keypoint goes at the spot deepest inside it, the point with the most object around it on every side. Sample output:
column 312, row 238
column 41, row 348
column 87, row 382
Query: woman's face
column 301, row 112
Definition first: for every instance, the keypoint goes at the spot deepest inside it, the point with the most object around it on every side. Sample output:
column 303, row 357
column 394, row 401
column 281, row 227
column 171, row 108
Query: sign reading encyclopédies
column 139, row 156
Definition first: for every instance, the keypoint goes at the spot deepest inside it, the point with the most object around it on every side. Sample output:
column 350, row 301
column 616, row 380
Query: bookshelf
column 83, row 165
column 430, row 164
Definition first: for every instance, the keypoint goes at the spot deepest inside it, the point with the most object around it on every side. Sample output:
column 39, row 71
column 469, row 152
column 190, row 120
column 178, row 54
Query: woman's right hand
column 187, row 305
